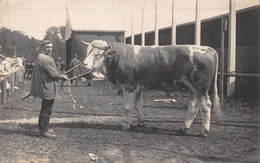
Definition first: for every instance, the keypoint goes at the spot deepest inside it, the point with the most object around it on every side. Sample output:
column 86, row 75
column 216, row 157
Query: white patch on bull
column 136, row 49
column 98, row 62
column 197, row 49
column 98, row 75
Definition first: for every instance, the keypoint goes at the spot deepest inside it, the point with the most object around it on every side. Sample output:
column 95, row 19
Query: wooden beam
column 243, row 75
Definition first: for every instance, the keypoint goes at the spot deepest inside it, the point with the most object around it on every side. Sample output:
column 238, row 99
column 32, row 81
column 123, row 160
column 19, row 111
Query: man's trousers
column 45, row 114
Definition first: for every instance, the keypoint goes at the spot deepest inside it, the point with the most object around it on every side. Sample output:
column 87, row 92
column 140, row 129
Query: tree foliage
column 16, row 44
column 57, row 36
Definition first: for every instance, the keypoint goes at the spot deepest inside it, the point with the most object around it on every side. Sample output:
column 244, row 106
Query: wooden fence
column 13, row 78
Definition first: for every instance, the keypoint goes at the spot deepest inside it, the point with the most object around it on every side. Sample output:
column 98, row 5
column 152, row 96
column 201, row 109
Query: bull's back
column 155, row 65
column 151, row 65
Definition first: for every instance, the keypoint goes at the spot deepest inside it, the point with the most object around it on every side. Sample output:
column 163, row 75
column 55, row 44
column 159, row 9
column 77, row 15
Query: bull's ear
column 111, row 53
column 108, row 46
column 85, row 42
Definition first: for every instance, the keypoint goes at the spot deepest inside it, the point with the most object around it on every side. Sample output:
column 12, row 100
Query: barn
column 247, row 44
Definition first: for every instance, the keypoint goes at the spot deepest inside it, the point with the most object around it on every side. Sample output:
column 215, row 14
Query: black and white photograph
column 130, row 81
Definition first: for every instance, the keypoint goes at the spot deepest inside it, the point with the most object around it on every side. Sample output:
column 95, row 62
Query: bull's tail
column 217, row 106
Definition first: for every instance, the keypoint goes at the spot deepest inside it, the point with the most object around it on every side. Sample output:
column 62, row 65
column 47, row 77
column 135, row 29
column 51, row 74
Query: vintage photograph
column 130, row 81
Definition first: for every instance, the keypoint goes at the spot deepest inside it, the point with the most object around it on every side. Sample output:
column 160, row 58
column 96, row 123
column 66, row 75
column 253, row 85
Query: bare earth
column 95, row 127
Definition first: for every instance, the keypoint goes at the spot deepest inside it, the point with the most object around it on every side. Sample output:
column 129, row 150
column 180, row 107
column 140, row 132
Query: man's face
column 48, row 48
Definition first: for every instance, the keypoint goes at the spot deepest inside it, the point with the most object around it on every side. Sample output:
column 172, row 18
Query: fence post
column 3, row 87
column 12, row 82
column 15, row 78
column 7, row 90
column 21, row 78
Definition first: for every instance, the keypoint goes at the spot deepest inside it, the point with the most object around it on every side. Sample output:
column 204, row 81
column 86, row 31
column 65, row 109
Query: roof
column 203, row 20
column 80, row 20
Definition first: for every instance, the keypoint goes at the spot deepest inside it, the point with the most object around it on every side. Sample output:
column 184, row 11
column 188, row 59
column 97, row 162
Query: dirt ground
column 94, row 126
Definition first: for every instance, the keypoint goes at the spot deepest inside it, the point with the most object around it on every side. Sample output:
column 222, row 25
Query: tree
column 16, row 44
column 57, row 36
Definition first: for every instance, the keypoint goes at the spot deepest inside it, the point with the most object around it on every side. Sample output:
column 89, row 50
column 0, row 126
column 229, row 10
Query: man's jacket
column 45, row 78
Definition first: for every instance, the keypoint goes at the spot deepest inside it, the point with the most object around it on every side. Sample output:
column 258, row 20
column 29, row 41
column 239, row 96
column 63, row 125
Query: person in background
column 44, row 85
column 74, row 62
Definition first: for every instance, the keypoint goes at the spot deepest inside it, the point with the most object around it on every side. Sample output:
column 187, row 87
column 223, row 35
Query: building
column 88, row 31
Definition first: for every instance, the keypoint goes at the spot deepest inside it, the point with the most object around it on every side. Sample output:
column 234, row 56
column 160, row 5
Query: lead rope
column 66, row 86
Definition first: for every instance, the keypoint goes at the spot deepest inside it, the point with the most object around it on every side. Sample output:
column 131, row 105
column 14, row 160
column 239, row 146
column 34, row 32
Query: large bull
column 137, row 67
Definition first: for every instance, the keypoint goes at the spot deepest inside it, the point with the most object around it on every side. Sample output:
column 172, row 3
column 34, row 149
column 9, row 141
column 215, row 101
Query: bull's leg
column 76, row 82
column 129, row 102
column 91, row 82
column 25, row 74
column 139, row 108
column 205, row 114
column 192, row 111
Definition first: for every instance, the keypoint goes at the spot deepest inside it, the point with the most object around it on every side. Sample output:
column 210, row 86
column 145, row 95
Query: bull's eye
column 98, row 55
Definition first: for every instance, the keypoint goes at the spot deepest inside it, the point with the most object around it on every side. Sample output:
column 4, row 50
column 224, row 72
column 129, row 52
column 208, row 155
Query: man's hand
column 64, row 77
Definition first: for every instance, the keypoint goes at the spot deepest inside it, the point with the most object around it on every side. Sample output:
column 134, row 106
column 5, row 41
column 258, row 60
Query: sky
column 34, row 17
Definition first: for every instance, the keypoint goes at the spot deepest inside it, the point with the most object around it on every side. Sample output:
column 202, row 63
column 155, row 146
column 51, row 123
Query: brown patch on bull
column 111, row 62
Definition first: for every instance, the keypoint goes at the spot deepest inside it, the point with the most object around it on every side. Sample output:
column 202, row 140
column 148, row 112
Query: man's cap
column 46, row 41
column 75, row 55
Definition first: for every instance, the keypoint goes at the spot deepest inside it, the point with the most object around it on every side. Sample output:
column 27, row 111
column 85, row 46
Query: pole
column 143, row 34
column 223, row 29
column 231, row 48
column 173, row 25
column 197, row 24
column 132, row 31
column 156, row 34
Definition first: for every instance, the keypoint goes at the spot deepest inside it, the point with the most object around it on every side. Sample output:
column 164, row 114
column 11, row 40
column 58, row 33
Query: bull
column 137, row 67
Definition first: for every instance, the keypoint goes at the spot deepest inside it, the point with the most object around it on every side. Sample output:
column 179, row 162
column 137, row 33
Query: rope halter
column 100, row 45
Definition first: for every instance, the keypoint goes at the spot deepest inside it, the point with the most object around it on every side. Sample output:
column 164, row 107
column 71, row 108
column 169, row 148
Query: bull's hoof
column 182, row 131
column 219, row 120
column 204, row 134
column 126, row 126
column 141, row 124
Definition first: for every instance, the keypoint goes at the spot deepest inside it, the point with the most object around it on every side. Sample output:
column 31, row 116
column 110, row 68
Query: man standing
column 74, row 62
column 45, row 86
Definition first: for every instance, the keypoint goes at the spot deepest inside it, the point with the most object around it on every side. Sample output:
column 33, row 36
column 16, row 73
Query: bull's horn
column 108, row 46
column 85, row 42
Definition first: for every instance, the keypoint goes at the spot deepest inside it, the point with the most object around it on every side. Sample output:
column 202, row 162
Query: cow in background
column 137, row 67
column 29, row 67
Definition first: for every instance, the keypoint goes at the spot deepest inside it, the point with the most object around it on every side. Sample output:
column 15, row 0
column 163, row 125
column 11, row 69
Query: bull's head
column 95, row 54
